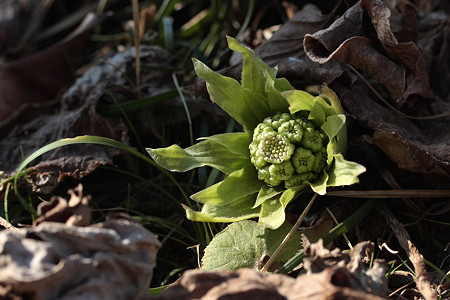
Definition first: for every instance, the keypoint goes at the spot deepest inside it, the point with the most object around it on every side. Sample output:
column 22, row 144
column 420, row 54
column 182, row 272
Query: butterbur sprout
column 291, row 141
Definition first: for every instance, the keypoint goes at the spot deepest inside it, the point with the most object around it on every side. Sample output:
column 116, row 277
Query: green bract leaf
column 299, row 100
column 344, row 172
column 206, row 153
column 236, row 142
column 266, row 193
column 290, row 194
column 237, row 185
column 254, row 70
column 246, row 244
column 333, row 125
column 278, row 155
column 229, row 95
column 238, row 210
column 272, row 213
column 320, row 184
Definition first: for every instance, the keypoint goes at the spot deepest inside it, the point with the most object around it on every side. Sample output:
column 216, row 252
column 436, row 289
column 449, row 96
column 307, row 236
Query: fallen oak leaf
column 416, row 148
column 407, row 77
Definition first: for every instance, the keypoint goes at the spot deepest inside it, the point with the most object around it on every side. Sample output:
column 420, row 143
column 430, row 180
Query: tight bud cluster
column 288, row 149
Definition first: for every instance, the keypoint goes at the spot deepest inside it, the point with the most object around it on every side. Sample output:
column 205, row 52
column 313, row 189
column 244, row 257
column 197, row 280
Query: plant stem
column 290, row 234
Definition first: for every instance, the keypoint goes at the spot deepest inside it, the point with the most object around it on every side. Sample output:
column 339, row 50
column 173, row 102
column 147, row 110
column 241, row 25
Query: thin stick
column 289, row 235
column 422, row 283
column 137, row 45
column 6, row 224
column 380, row 194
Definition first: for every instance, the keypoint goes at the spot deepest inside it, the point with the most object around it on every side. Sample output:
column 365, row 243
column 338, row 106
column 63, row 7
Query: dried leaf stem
column 422, row 283
column 137, row 45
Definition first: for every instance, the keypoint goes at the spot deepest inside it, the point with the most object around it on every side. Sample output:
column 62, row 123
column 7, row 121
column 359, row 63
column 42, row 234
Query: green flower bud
column 288, row 149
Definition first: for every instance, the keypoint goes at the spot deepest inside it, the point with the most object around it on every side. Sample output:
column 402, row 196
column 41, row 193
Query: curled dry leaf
column 74, row 212
column 413, row 146
column 110, row 260
column 370, row 280
column 331, row 283
column 374, row 48
column 331, row 275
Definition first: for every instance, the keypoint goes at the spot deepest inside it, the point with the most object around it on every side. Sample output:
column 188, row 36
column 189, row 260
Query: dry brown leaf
column 344, row 276
column 285, row 50
column 110, row 260
column 74, row 212
column 376, row 50
column 29, row 86
column 420, row 147
column 78, row 116
column 250, row 284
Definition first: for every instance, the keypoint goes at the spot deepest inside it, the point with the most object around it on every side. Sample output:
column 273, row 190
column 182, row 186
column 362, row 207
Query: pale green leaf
column 290, row 194
column 331, row 96
column 333, row 125
column 238, row 210
column 266, row 193
column 274, row 87
column 299, row 100
column 344, row 172
column 246, row 244
column 325, row 105
column 254, row 70
column 282, row 85
column 272, row 213
column 206, row 153
column 235, row 186
column 317, row 114
column 260, row 100
column 320, row 184
column 228, row 94
column 236, row 142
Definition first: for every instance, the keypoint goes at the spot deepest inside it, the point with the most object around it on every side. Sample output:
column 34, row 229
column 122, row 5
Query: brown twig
column 137, row 45
column 6, row 224
column 422, row 283
column 380, row 194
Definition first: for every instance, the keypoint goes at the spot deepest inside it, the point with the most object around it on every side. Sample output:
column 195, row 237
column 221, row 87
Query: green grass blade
column 167, row 33
column 87, row 139
column 136, row 105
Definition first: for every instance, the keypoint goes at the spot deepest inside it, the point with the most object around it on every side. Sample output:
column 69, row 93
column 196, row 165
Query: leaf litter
column 414, row 145
column 330, row 275
column 64, row 257
column 78, row 115
column 397, row 56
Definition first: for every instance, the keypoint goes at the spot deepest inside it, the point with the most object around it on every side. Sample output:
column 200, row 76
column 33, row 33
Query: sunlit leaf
column 205, row 153
column 236, row 142
column 272, row 213
column 266, row 193
column 333, row 125
column 246, row 244
column 238, row 210
column 228, row 94
column 235, row 186
column 344, row 172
